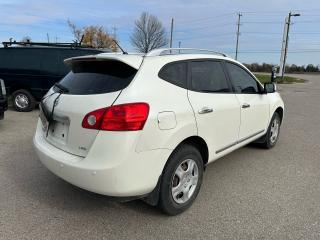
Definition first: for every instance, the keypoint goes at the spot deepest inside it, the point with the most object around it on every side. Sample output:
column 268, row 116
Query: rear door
column 216, row 107
column 254, row 104
column 92, row 85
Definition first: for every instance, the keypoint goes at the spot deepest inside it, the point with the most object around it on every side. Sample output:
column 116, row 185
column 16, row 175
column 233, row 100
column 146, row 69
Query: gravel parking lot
column 249, row 194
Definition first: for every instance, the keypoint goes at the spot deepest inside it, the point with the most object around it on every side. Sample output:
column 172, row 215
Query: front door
column 254, row 104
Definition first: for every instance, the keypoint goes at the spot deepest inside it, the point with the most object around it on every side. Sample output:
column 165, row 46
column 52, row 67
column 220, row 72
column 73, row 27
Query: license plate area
column 58, row 132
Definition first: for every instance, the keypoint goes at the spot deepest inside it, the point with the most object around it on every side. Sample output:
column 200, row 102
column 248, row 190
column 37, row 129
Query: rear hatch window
column 97, row 77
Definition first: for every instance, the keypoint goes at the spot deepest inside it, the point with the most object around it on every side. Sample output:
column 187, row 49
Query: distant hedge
column 265, row 67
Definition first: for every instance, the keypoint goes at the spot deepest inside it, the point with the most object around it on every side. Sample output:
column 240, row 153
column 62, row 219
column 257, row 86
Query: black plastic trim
column 239, row 141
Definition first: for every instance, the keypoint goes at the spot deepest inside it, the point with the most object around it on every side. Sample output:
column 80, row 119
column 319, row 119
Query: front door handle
column 245, row 105
column 205, row 110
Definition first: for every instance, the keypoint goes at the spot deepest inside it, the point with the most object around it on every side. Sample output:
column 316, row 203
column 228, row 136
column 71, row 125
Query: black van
column 29, row 71
column 3, row 99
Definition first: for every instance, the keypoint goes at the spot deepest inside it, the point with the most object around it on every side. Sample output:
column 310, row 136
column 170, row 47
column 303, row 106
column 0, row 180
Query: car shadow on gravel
column 32, row 180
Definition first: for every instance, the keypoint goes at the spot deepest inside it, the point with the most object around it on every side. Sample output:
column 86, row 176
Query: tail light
column 123, row 117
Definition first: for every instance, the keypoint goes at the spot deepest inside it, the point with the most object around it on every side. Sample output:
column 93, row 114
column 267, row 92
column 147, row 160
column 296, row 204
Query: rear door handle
column 245, row 105
column 205, row 110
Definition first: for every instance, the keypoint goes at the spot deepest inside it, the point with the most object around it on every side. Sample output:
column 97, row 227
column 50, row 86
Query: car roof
column 172, row 54
column 167, row 55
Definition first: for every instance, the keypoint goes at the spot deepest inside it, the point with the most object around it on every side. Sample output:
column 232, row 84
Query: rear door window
column 97, row 77
column 175, row 73
column 208, row 76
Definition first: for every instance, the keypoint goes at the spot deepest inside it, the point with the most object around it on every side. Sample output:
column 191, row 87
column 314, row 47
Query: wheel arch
column 279, row 110
column 200, row 144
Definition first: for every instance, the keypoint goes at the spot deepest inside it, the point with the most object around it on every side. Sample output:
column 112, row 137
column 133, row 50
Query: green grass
column 263, row 78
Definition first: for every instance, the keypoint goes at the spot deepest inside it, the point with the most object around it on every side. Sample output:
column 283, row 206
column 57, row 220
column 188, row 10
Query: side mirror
column 269, row 88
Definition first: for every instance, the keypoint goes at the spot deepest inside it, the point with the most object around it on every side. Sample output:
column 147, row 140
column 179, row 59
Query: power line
column 262, row 22
column 206, row 27
column 276, row 33
column 314, row 21
column 277, row 51
column 205, row 18
column 263, row 33
column 205, row 36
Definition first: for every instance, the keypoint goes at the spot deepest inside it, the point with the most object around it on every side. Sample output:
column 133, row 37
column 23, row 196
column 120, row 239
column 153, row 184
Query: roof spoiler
column 131, row 60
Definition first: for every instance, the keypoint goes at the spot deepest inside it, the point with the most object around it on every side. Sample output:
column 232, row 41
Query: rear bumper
column 117, row 173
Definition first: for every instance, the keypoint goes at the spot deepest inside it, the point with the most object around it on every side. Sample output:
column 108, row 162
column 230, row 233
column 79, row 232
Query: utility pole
column 114, row 35
column 179, row 45
column 171, row 33
column 285, row 42
column 238, row 34
column 48, row 37
column 114, row 32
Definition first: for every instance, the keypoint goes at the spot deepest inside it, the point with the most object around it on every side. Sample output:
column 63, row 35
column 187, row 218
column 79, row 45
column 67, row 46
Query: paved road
column 250, row 194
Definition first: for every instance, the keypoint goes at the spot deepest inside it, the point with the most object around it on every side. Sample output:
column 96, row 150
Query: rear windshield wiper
column 62, row 88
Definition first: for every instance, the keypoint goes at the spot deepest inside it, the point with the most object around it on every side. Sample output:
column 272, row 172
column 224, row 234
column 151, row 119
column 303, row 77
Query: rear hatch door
column 93, row 83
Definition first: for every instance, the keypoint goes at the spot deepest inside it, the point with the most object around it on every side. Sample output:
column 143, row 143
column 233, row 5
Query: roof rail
column 175, row 51
column 43, row 44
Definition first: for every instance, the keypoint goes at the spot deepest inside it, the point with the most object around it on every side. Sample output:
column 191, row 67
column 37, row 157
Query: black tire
column 268, row 143
column 29, row 101
column 166, row 200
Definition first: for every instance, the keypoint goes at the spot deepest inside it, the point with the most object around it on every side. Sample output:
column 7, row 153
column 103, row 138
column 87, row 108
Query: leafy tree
column 95, row 36
column 311, row 68
column 148, row 34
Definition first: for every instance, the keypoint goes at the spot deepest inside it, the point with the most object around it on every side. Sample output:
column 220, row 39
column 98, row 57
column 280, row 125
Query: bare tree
column 148, row 34
column 95, row 36
column 77, row 32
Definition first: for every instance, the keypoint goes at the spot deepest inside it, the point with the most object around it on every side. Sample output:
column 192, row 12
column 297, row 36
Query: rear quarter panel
column 162, row 97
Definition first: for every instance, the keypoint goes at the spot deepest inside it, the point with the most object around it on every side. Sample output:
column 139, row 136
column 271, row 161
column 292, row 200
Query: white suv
column 145, row 126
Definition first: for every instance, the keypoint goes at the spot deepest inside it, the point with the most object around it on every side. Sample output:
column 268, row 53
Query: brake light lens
column 123, row 117
column 93, row 119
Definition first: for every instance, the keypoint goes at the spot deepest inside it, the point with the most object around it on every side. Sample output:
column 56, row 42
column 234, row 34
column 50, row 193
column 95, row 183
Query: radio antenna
column 124, row 52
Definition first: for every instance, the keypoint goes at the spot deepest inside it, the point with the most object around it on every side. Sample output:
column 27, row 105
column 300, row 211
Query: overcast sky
column 198, row 24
